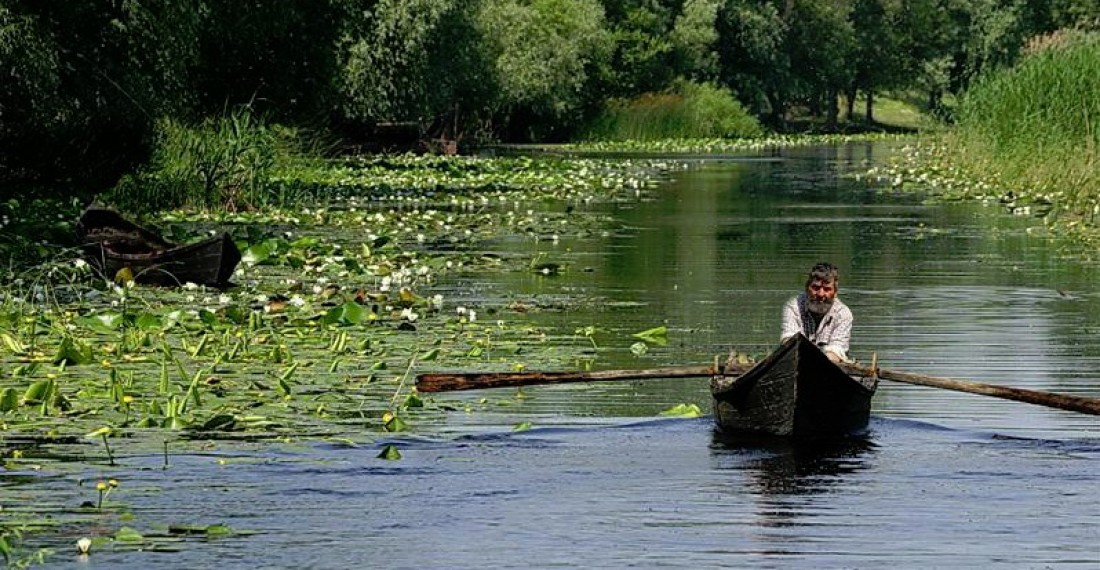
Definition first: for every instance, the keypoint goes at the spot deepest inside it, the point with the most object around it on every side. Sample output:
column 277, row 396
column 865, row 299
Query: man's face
column 821, row 293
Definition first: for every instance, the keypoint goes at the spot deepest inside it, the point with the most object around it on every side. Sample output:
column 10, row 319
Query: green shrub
column 688, row 110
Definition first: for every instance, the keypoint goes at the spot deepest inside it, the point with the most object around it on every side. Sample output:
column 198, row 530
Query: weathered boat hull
column 795, row 392
column 208, row 262
column 112, row 244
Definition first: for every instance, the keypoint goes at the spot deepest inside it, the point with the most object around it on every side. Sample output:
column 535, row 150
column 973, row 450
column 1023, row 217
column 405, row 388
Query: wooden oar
column 445, row 382
column 1050, row 399
column 475, row 380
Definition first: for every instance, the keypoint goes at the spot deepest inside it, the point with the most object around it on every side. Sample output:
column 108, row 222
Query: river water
column 944, row 479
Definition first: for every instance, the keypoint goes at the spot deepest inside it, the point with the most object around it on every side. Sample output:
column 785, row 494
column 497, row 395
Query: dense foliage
column 86, row 83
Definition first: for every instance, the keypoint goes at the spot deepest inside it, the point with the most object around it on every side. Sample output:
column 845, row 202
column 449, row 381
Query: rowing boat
column 112, row 244
column 795, row 392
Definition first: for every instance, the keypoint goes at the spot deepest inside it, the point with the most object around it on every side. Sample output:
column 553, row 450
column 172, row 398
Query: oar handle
column 1050, row 399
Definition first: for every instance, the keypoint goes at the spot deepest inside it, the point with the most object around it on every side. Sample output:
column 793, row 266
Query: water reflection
column 793, row 484
column 784, row 467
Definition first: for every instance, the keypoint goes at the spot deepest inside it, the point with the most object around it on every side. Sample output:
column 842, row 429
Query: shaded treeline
column 84, row 84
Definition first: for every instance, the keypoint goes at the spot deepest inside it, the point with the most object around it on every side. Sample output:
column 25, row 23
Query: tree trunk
column 870, row 107
column 832, row 108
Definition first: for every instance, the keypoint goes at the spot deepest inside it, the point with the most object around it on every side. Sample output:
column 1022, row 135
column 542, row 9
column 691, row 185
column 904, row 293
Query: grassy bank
column 1027, row 138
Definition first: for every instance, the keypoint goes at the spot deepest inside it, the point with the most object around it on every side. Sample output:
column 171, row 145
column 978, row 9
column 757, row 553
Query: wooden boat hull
column 795, row 392
column 208, row 262
column 112, row 243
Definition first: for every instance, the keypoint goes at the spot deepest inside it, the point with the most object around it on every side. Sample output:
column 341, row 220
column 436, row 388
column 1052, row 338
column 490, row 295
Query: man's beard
column 819, row 308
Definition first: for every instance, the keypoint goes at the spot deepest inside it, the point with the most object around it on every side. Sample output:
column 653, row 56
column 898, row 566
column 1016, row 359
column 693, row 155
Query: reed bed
column 689, row 111
column 1034, row 127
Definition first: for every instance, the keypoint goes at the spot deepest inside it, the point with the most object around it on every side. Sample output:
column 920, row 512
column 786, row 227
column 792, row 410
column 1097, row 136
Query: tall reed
column 689, row 110
column 1036, row 126
column 221, row 163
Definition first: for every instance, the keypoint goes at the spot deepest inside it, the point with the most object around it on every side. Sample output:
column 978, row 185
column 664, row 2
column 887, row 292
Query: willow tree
column 85, row 82
column 541, row 54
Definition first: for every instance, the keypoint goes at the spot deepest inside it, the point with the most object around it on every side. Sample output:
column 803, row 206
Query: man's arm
column 839, row 334
column 792, row 320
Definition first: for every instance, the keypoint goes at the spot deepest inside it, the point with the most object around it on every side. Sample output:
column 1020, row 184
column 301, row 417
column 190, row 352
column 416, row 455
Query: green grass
column 896, row 112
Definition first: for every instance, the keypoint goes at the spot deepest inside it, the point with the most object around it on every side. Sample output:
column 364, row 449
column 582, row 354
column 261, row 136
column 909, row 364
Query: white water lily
column 84, row 545
column 409, row 315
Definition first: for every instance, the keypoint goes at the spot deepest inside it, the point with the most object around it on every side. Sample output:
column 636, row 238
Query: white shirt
column 831, row 335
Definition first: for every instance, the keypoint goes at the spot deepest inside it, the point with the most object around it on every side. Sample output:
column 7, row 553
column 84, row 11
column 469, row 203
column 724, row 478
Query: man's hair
column 824, row 271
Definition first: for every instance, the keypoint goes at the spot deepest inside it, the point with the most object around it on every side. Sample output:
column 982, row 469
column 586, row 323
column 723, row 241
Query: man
column 819, row 315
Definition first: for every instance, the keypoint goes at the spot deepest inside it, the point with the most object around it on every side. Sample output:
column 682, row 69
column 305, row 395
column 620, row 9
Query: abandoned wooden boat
column 111, row 244
column 795, row 392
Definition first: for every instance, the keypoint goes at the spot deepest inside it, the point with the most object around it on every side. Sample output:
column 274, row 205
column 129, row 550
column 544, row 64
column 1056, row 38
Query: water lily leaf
column 413, row 401
column 237, row 315
column 349, row 313
column 683, row 411
column 430, row 355
column 98, row 433
column 305, row 243
column 522, row 426
column 147, row 321
column 38, row 392
column 175, row 423
column 127, row 534
column 394, row 424
column 657, row 335
column 218, row 530
column 390, row 453
column 208, row 317
column 14, row 345
column 259, row 253
column 148, row 422
column 72, row 352
column 284, row 388
column 9, row 400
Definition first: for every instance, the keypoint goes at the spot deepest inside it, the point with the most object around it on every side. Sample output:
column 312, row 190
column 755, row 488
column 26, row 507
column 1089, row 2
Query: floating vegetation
column 928, row 167
column 335, row 306
column 724, row 145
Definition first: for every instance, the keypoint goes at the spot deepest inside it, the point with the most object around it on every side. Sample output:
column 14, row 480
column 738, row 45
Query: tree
column 695, row 39
column 752, row 59
column 541, row 55
column 90, row 79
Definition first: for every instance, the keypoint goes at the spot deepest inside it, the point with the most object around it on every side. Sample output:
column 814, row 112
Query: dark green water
column 945, row 480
